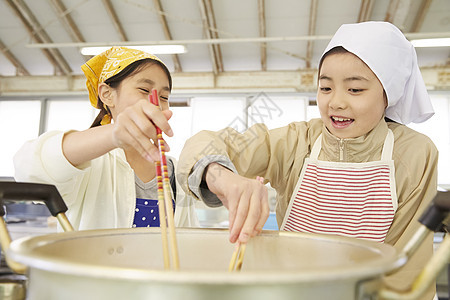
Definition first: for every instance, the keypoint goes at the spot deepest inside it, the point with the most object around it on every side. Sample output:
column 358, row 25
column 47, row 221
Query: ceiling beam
column 436, row 79
column 115, row 20
column 365, row 11
column 67, row 21
column 311, row 32
column 167, row 34
column 397, row 12
column 421, row 14
column 182, row 82
column 262, row 33
column 39, row 35
column 20, row 69
column 206, row 26
column 214, row 33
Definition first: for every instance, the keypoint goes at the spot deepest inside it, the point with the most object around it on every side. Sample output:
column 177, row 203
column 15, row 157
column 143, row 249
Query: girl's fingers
column 251, row 213
column 233, row 200
column 240, row 216
column 136, row 128
column 168, row 114
column 129, row 135
column 232, row 209
column 257, row 214
column 166, row 146
column 265, row 211
column 145, row 121
column 143, row 145
column 159, row 118
column 245, row 199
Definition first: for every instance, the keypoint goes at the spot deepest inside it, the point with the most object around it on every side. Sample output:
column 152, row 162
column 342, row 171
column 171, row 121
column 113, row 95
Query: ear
column 105, row 93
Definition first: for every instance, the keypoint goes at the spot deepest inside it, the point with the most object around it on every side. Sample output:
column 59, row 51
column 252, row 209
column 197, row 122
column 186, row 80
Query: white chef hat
column 392, row 58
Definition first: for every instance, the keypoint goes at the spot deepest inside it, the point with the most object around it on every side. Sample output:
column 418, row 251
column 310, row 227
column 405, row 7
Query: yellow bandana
column 107, row 64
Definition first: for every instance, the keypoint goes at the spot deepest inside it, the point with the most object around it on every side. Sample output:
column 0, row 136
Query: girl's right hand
column 135, row 128
column 246, row 200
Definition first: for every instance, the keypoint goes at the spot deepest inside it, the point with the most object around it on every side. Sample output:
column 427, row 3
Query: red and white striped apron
column 349, row 199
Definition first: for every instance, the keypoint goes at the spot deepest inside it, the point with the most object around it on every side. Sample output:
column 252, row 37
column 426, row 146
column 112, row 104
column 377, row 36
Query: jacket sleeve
column 256, row 152
column 185, row 214
column 416, row 179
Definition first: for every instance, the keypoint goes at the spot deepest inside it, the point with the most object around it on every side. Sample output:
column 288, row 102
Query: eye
column 144, row 90
column 164, row 98
column 325, row 89
column 355, row 91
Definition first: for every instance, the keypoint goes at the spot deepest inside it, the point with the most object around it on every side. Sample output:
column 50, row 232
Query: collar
column 361, row 149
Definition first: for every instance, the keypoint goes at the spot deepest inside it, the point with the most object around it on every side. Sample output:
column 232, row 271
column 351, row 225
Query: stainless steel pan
column 127, row 264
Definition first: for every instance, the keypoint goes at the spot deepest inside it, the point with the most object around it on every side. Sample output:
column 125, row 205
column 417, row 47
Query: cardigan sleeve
column 42, row 161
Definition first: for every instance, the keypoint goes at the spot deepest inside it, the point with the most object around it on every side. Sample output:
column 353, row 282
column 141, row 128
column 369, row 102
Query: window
column 19, row 122
column 69, row 114
column 181, row 123
column 437, row 129
column 276, row 111
column 218, row 113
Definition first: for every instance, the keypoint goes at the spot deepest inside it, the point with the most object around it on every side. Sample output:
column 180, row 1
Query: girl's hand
column 246, row 200
column 135, row 128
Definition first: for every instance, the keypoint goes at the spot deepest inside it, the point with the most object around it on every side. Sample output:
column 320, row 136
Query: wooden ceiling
column 43, row 37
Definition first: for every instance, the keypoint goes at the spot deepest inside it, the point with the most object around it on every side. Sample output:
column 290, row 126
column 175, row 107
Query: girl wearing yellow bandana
column 106, row 174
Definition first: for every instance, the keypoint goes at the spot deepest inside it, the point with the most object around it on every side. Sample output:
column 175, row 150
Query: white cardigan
column 100, row 193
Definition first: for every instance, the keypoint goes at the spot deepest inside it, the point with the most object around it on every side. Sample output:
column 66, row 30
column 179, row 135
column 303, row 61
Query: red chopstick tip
column 155, row 96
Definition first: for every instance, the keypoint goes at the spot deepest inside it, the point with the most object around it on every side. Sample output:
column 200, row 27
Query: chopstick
column 237, row 258
column 165, row 205
column 162, row 216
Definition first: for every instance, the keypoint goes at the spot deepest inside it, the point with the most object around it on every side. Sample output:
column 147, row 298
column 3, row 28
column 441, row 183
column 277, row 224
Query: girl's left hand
column 246, row 200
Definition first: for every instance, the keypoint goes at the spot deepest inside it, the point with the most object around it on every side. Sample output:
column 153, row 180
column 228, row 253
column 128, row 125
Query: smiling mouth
column 340, row 121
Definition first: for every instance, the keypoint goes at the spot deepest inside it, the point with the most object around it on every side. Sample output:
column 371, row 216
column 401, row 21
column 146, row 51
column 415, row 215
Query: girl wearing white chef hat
column 358, row 171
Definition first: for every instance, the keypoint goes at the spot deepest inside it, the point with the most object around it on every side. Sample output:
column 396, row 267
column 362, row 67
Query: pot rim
column 22, row 251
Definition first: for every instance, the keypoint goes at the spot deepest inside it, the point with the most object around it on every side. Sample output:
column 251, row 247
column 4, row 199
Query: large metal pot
column 128, row 264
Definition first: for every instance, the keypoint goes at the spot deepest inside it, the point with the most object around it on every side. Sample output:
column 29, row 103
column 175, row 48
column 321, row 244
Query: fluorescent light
column 443, row 42
column 155, row 49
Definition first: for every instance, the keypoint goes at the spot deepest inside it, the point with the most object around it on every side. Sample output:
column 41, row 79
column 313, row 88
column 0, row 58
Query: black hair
column 335, row 50
column 117, row 79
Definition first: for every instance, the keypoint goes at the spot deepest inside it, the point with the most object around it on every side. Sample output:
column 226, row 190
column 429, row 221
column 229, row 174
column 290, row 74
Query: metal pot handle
column 431, row 221
column 21, row 191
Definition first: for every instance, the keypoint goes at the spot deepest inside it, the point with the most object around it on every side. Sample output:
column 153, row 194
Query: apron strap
column 316, row 148
column 388, row 146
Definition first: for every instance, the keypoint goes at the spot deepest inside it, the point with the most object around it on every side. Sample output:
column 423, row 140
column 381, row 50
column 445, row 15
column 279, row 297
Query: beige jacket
column 278, row 156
